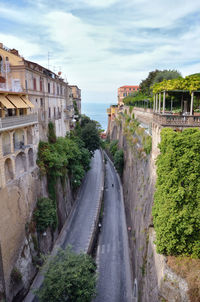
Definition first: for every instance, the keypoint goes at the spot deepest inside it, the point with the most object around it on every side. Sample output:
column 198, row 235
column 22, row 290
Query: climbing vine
column 190, row 83
column 176, row 209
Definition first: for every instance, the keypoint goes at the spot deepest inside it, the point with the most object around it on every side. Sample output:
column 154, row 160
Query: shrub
column 176, row 210
column 45, row 214
column 113, row 147
column 69, row 277
column 119, row 161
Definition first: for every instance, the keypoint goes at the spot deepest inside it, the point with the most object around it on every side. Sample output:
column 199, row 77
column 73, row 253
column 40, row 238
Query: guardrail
column 14, row 121
column 177, row 120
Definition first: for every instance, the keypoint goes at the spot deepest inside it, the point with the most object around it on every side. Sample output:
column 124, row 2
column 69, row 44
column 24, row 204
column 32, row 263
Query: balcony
column 169, row 120
column 12, row 122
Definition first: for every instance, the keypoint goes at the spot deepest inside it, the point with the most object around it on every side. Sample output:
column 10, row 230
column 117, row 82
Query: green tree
column 45, row 214
column 119, row 161
column 90, row 136
column 70, row 277
column 166, row 75
column 176, row 210
column 157, row 76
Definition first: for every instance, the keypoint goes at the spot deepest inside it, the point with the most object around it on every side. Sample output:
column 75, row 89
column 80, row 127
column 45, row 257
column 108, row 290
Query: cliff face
column 20, row 244
column 155, row 280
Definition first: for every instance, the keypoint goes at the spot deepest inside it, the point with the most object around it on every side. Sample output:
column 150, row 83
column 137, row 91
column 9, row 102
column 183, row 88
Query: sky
column 101, row 45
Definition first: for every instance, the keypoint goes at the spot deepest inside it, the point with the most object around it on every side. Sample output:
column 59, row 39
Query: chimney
column 14, row 52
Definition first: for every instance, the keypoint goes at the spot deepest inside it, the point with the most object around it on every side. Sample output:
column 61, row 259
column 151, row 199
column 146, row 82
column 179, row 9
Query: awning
column 5, row 102
column 17, row 101
column 26, row 100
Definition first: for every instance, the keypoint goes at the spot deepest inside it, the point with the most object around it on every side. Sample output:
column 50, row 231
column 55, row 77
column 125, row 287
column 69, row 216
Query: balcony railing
column 177, row 120
column 15, row 121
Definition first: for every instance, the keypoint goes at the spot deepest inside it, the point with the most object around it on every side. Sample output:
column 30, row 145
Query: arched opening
column 30, row 158
column 20, row 163
column 29, row 136
column 6, row 143
column 1, row 64
column 8, row 167
column 18, row 139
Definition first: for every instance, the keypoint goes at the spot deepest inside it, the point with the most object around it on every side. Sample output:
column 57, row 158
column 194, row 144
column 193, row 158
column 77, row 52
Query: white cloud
column 92, row 48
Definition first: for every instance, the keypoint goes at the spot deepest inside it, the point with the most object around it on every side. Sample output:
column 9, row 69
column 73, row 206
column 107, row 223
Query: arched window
column 30, row 158
column 1, row 64
column 8, row 168
column 20, row 163
column 18, row 139
column 29, row 136
column 6, row 143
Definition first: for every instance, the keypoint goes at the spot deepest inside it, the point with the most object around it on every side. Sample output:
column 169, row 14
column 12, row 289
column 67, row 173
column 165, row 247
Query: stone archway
column 18, row 139
column 8, row 168
column 29, row 136
column 30, row 158
column 6, row 146
column 20, row 163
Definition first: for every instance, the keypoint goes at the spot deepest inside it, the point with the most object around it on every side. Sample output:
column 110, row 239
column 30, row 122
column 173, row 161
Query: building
column 76, row 95
column 47, row 91
column 124, row 91
column 30, row 97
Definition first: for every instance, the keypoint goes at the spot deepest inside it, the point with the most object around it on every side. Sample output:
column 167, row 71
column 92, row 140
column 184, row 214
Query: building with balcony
column 19, row 136
column 76, row 96
column 125, row 91
column 47, row 91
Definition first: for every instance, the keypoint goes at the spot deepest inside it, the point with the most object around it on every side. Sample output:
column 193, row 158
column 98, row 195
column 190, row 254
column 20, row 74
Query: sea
column 97, row 112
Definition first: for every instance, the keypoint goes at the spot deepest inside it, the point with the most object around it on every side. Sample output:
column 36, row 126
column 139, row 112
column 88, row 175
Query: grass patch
column 189, row 269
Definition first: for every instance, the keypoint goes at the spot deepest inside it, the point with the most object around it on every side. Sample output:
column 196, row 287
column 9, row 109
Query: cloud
column 100, row 44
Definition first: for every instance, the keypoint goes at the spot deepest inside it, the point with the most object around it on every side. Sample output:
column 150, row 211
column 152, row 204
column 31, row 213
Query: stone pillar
column 164, row 102
column 156, row 102
column 191, row 104
column 1, row 146
column 12, row 148
column 182, row 103
column 2, row 280
column 159, row 102
column 25, row 137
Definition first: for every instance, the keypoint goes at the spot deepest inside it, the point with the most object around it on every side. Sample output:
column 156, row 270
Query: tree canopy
column 69, row 277
column 157, row 76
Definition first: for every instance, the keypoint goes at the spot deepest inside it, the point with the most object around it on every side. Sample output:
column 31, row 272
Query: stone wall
column 155, row 280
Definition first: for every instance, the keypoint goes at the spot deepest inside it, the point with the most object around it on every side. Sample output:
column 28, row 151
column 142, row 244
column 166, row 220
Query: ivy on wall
column 176, row 210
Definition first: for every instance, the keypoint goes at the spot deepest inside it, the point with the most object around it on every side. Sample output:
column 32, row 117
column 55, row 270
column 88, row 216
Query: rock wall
column 20, row 244
column 154, row 279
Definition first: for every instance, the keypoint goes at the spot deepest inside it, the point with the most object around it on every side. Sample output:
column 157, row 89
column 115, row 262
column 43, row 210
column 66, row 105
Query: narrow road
column 78, row 230
column 114, row 284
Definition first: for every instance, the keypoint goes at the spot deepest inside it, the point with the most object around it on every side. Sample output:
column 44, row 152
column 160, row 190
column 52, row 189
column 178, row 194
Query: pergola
column 158, row 96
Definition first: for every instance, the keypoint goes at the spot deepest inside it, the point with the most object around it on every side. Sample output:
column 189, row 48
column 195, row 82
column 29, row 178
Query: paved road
column 78, row 230
column 114, row 283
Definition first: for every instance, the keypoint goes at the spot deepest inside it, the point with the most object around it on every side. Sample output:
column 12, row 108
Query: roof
column 127, row 86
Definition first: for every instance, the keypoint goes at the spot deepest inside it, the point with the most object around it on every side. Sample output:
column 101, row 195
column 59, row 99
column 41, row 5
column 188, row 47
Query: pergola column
column 182, row 103
column 159, row 102
column 191, row 104
column 164, row 102
column 156, row 102
column 154, row 98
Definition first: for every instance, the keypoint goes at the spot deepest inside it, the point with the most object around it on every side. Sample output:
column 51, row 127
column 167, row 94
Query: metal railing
column 14, row 121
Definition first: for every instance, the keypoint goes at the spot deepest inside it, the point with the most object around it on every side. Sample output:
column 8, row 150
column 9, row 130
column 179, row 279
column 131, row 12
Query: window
column 54, row 112
column 36, row 100
column 49, row 90
column 61, row 90
column 34, row 84
column 26, row 85
column 129, row 88
column 57, row 90
column 49, row 112
column 41, row 84
column 41, row 102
